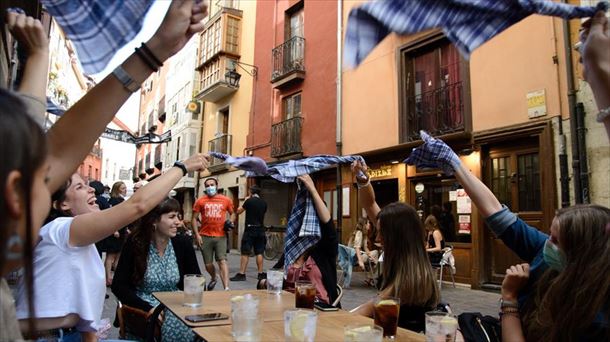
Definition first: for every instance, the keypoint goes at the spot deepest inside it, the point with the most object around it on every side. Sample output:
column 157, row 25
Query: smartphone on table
column 213, row 316
column 325, row 307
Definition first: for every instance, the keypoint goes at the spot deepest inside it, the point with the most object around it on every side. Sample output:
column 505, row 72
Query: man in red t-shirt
column 212, row 210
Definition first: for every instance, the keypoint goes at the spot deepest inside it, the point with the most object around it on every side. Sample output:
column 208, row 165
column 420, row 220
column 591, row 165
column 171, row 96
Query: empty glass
column 300, row 325
column 246, row 325
column 193, row 289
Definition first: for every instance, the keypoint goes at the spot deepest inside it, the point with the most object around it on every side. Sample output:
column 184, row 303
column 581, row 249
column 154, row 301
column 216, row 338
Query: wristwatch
column 182, row 167
column 126, row 80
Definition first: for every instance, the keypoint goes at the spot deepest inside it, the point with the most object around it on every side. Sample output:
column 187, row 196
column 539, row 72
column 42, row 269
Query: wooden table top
column 329, row 328
column 272, row 306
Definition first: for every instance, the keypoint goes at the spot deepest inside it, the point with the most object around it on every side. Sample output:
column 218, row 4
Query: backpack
column 478, row 328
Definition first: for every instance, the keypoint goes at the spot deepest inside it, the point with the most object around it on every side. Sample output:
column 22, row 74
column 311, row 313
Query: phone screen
column 206, row 317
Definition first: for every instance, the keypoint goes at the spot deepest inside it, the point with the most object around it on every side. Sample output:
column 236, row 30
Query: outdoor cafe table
column 272, row 306
column 329, row 328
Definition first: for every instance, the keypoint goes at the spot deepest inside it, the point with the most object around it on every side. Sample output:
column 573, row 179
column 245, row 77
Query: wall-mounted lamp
column 232, row 76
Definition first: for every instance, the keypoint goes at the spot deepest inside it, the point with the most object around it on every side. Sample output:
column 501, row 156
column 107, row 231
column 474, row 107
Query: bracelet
column 150, row 54
column 514, row 314
column 146, row 59
column 603, row 114
column 362, row 185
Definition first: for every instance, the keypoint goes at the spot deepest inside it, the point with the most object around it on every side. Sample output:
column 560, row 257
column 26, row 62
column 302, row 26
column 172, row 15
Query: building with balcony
column 502, row 111
column 295, row 106
column 151, row 118
column 184, row 118
column 227, row 73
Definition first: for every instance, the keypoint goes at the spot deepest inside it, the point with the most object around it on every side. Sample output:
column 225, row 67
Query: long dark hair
column 23, row 148
column 57, row 198
column 143, row 234
column 407, row 272
column 566, row 303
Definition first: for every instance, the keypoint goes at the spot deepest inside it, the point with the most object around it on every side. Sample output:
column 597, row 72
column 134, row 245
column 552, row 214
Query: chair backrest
column 339, row 295
column 448, row 258
column 136, row 322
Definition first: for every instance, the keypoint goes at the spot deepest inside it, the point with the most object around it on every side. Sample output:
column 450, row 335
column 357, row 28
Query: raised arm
column 92, row 227
column 321, row 209
column 31, row 35
column 435, row 153
column 366, row 194
column 72, row 137
column 595, row 39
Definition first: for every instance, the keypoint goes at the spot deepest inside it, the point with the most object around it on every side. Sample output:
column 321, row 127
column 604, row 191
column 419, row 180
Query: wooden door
column 513, row 175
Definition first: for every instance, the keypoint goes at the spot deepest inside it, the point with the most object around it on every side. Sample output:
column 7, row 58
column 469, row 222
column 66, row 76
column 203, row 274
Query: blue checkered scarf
column 98, row 28
column 303, row 230
column 434, row 153
column 467, row 23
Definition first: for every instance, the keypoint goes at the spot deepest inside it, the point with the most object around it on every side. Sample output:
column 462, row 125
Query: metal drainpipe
column 572, row 110
column 564, row 177
column 582, row 156
column 339, row 138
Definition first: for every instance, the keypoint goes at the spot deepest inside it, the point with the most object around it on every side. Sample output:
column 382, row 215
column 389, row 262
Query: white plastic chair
column 339, row 295
column 447, row 261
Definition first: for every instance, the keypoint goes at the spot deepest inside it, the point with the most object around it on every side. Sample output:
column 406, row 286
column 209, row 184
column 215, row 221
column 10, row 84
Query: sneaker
column 212, row 284
column 227, row 289
column 262, row 275
column 238, row 277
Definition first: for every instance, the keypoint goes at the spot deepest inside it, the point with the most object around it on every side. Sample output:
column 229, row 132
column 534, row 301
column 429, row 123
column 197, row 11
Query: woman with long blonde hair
column 407, row 273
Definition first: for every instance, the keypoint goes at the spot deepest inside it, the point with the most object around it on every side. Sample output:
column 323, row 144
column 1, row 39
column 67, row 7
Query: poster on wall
column 452, row 196
column 345, row 202
column 464, row 205
column 465, row 225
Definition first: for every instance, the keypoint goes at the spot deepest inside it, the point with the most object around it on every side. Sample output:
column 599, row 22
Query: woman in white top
column 66, row 263
column 33, row 165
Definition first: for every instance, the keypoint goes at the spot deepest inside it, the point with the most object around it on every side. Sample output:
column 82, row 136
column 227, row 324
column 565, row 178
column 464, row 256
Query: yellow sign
column 383, row 171
column 536, row 103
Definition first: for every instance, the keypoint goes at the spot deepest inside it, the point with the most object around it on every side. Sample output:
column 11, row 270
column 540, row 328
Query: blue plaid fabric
column 303, row 229
column 434, row 153
column 251, row 164
column 98, row 28
column 467, row 23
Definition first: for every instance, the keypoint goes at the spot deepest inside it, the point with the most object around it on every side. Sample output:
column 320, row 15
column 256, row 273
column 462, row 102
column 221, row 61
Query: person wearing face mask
column 212, row 209
column 561, row 292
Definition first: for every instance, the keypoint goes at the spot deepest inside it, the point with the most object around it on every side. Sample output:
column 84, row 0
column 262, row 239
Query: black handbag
column 478, row 328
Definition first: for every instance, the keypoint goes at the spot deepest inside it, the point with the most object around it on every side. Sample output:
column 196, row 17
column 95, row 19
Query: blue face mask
column 210, row 190
column 553, row 256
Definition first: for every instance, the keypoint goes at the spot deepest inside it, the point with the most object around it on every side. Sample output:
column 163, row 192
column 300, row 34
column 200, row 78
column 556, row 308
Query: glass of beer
column 193, row 289
column 304, row 294
column 386, row 315
column 440, row 326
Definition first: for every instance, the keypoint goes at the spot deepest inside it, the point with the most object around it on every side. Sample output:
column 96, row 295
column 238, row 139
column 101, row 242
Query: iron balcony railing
column 439, row 111
column 220, row 144
column 286, row 137
column 288, row 57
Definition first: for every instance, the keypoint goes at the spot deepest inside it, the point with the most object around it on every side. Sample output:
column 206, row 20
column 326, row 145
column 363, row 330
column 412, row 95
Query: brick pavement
column 460, row 298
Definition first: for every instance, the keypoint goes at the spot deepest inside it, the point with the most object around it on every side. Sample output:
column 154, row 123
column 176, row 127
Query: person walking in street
column 212, row 210
column 254, row 233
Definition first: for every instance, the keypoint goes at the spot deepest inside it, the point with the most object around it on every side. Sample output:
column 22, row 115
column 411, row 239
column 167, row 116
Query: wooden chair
column 139, row 323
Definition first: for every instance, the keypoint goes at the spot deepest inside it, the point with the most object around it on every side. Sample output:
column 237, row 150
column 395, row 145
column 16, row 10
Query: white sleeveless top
column 67, row 279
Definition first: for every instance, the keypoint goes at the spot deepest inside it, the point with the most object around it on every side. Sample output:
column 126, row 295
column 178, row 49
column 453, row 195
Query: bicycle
column 274, row 246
